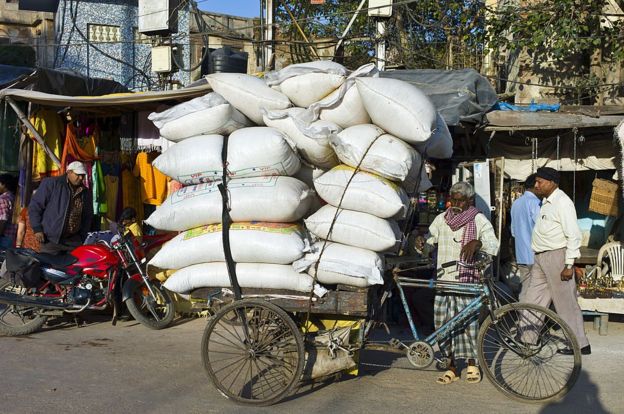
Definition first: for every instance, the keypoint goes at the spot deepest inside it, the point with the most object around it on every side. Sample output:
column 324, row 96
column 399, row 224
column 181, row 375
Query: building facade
column 26, row 37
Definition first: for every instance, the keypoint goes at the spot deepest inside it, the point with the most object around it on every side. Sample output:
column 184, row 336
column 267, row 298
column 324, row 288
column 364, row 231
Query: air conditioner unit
column 158, row 16
column 380, row 8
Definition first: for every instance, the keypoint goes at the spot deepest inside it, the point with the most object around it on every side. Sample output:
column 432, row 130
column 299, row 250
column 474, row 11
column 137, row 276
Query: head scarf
column 465, row 220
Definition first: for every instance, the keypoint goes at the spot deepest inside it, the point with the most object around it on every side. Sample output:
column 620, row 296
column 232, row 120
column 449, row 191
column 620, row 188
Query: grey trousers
column 545, row 285
column 524, row 276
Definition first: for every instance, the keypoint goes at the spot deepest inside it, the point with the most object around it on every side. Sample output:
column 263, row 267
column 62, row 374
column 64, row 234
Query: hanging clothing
column 79, row 148
column 153, row 183
column 50, row 127
column 9, row 140
column 112, row 194
column 100, row 205
column 131, row 196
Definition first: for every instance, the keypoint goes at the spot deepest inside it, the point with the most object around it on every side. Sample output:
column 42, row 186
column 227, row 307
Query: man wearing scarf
column 459, row 233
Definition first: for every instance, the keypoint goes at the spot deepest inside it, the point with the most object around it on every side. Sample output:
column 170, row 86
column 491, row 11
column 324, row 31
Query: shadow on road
column 583, row 398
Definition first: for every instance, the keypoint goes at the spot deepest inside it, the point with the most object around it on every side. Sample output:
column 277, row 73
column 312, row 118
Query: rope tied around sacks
column 409, row 221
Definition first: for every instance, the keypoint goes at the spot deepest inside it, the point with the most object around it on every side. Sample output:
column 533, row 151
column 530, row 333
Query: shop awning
column 108, row 104
column 532, row 121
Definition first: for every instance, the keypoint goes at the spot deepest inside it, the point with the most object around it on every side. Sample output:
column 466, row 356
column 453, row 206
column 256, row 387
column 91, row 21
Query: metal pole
column 262, row 62
column 268, row 45
column 381, row 45
column 33, row 131
column 342, row 36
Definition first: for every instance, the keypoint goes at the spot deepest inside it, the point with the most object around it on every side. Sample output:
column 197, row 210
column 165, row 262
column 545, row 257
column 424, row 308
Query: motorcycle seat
column 59, row 262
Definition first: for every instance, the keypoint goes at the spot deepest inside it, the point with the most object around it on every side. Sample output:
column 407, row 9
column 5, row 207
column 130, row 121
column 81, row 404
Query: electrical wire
column 200, row 22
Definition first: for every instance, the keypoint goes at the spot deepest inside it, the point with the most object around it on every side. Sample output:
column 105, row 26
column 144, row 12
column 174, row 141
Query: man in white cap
column 61, row 211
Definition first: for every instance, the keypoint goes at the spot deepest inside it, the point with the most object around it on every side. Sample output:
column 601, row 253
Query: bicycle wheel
column 518, row 353
column 253, row 352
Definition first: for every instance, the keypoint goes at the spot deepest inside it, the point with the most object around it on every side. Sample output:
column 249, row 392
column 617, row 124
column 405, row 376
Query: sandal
column 447, row 378
column 473, row 374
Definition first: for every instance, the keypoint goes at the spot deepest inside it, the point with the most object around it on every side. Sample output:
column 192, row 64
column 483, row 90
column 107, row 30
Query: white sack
column 398, row 107
column 388, row 156
column 249, row 275
column 306, row 83
column 308, row 174
column 208, row 114
column 345, row 112
column 273, row 199
column 440, row 145
column 354, row 228
column 248, row 94
column 342, row 264
column 367, row 192
column 252, row 152
column 315, row 147
column 253, row 242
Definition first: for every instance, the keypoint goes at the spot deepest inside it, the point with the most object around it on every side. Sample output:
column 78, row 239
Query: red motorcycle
column 92, row 277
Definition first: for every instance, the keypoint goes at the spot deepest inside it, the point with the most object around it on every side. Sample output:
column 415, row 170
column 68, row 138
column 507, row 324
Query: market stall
column 579, row 143
column 109, row 133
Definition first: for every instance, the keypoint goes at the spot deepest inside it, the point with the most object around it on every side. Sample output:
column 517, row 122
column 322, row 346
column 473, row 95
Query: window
column 102, row 33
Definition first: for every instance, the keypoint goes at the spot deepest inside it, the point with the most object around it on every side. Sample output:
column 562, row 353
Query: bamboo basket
column 604, row 197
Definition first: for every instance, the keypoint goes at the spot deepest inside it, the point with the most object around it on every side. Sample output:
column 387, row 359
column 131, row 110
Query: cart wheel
column 518, row 353
column 253, row 352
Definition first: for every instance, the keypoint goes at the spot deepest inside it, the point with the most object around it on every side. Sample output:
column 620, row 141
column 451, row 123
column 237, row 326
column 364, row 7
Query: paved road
column 99, row 368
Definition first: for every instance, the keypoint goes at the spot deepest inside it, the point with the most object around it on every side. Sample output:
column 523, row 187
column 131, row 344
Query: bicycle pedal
column 395, row 343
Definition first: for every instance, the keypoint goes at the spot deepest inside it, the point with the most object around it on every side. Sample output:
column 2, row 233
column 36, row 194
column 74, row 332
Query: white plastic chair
column 614, row 269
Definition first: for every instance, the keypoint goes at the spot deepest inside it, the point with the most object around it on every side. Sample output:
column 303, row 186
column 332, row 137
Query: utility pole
column 267, row 34
column 380, row 47
column 380, row 9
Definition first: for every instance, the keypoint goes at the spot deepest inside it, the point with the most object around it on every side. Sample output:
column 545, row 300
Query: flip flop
column 447, row 378
column 473, row 375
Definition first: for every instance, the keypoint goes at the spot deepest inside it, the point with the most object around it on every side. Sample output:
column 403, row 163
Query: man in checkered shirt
column 459, row 233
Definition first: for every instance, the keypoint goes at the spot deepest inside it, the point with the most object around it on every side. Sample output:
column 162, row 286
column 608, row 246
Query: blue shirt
column 524, row 212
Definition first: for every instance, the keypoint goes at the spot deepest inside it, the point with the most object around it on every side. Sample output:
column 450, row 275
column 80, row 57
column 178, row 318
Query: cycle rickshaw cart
column 260, row 344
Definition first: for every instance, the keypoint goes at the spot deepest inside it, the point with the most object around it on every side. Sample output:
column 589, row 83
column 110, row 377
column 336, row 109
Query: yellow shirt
column 153, row 183
column 50, row 126
column 135, row 229
column 130, row 193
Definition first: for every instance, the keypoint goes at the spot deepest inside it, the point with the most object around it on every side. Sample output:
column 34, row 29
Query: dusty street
column 99, row 368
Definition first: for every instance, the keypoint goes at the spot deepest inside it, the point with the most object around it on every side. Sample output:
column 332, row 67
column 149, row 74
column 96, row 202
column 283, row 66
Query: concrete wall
column 34, row 29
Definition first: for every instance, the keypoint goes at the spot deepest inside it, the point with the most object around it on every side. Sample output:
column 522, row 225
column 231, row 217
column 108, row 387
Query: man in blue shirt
column 524, row 212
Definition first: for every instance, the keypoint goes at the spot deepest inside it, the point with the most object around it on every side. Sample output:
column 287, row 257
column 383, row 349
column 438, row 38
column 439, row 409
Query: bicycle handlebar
column 481, row 260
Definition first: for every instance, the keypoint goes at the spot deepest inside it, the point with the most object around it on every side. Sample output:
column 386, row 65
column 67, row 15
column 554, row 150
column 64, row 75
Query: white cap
column 77, row 167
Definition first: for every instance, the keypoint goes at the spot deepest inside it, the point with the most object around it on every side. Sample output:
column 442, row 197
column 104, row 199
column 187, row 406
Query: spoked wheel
column 154, row 312
column 253, row 352
column 518, row 353
column 18, row 320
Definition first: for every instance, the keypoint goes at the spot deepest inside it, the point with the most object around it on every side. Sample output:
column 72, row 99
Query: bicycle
column 517, row 344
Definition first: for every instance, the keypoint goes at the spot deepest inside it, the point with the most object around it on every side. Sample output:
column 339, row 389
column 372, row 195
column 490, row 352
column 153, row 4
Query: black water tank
column 225, row 59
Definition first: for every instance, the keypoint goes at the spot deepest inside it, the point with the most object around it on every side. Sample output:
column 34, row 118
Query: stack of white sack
column 340, row 120
column 360, row 220
column 265, row 201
